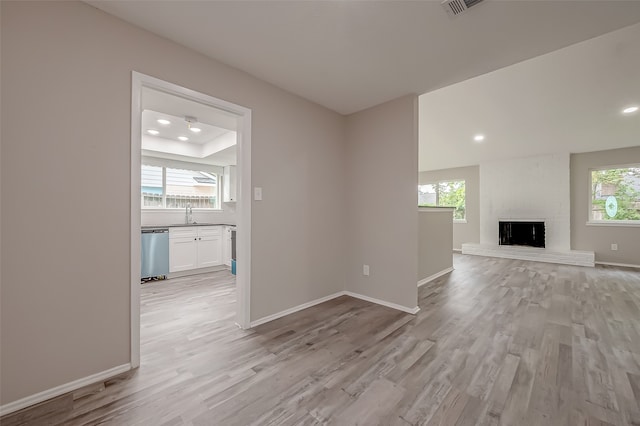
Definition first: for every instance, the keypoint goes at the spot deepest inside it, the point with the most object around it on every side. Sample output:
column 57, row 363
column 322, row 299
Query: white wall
column 226, row 216
column 527, row 188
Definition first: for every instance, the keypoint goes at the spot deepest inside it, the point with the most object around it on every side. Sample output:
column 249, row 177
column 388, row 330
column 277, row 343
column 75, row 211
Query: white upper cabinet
column 229, row 184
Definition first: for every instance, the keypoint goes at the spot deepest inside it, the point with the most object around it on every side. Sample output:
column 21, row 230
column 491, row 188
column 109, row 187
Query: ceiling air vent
column 456, row 7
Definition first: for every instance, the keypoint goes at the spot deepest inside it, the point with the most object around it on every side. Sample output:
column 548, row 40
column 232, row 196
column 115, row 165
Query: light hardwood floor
column 497, row 341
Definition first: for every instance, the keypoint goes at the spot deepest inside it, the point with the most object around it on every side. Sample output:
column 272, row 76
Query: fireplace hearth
column 521, row 233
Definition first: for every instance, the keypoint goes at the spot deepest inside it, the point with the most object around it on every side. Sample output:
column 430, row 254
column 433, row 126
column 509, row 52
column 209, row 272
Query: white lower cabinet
column 193, row 247
column 183, row 254
column 209, row 246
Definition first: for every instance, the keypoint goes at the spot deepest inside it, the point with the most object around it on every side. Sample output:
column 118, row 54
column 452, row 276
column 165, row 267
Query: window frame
column 595, row 222
column 437, row 183
column 184, row 165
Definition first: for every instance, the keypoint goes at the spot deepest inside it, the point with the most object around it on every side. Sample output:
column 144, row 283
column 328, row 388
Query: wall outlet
column 614, row 247
column 365, row 270
column 257, row 193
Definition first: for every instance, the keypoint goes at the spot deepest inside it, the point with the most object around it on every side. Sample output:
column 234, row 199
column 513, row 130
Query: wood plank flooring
column 497, row 342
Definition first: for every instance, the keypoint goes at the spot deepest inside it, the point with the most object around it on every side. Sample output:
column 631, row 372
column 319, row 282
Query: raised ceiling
column 566, row 101
column 179, row 127
column 215, row 143
column 351, row 55
column 156, row 100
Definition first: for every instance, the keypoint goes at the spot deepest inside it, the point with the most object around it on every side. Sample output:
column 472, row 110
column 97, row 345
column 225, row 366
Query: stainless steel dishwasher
column 155, row 253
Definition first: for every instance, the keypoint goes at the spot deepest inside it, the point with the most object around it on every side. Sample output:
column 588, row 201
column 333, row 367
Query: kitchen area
column 188, row 188
column 185, row 249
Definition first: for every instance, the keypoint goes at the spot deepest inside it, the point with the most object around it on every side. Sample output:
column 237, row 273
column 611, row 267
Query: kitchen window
column 615, row 196
column 449, row 193
column 174, row 188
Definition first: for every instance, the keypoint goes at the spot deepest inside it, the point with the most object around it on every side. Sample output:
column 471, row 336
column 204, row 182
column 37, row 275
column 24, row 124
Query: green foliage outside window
column 444, row 194
column 624, row 185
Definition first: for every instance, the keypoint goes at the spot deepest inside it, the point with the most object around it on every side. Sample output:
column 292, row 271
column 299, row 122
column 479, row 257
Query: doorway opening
column 190, row 173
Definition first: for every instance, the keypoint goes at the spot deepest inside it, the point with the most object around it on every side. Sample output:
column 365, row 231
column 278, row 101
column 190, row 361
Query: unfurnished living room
column 320, row 212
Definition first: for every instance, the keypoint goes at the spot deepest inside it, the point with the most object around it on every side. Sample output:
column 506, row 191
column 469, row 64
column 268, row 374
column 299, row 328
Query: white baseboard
column 455, row 250
column 295, row 309
column 412, row 311
column 290, row 311
column 624, row 265
column 62, row 389
column 434, row 276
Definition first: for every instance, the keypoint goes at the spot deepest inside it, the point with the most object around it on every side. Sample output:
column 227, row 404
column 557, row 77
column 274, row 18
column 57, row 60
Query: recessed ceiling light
column 183, row 138
column 152, row 132
column 195, row 129
column 630, row 110
column 478, row 138
column 163, row 121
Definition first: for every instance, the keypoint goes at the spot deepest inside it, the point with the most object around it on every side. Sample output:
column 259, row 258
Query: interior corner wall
column 527, row 188
column 600, row 238
column 382, row 215
column 468, row 232
column 65, row 173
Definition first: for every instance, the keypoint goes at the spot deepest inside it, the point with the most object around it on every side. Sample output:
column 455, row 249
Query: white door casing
column 243, row 198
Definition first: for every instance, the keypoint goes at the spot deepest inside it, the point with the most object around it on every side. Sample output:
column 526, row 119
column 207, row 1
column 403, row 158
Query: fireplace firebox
column 521, row 233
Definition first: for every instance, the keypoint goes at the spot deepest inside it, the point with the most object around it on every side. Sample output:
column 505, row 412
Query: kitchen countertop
column 179, row 225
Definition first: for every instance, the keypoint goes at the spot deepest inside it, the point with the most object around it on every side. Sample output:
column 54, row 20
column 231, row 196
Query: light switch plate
column 365, row 270
column 257, row 193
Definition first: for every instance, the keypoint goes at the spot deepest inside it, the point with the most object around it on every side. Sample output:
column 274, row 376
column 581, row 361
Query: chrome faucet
column 188, row 214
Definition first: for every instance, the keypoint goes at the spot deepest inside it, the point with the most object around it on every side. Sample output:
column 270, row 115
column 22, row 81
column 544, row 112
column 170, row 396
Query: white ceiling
column 566, row 101
column 350, row 55
column 156, row 100
column 178, row 126
column 215, row 144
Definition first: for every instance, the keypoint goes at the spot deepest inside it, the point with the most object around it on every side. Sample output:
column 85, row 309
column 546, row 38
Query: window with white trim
column 615, row 194
column 450, row 193
column 175, row 188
